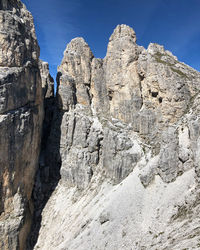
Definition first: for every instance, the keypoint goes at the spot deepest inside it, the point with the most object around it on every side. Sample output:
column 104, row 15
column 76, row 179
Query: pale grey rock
column 67, row 99
column 47, row 80
column 127, row 138
column 76, row 64
column 104, row 217
column 79, row 151
column 146, row 90
column 120, row 155
column 100, row 94
column 149, row 171
column 168, row 163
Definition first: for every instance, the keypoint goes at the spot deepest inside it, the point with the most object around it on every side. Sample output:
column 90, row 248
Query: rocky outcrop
column 131, row 92
column 128, row 149
column 21, row 117
column 113, row 161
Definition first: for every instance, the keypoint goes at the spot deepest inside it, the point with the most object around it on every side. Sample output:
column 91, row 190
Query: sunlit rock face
column 129, row 150
column 119, row 163
column 21, row 117
column 146, row 91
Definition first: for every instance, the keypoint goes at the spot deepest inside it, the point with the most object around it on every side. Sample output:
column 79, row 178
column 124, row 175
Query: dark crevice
column 88, row 93
column 181, row 160
column 154, row 94
column 110, row 94
column 48, row 174
column 141, row 76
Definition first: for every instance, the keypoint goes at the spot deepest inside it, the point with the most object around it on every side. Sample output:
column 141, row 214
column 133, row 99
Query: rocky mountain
column 129, row 150
column 117, row 165
column 21, row 119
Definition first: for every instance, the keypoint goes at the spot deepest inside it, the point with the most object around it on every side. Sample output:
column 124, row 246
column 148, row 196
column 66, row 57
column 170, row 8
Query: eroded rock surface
column 21, row 117
column 118, row 166
column 107, row 102
column 47, row 175
column 128, row 149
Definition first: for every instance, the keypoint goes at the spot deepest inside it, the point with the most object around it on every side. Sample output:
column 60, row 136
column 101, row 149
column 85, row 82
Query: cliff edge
column 22, row 92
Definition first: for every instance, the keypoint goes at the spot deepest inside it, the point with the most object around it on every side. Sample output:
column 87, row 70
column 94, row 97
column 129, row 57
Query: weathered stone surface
column 123, row 135
column 120, row 154
column 47, row 174
column 18, row 87
column 47, row 80
column 131, row 91
column 18, row 43
column 21, row 116
column 128, row 150
column 76, row 69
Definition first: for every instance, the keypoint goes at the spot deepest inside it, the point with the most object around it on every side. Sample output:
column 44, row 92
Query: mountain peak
column 122, row 31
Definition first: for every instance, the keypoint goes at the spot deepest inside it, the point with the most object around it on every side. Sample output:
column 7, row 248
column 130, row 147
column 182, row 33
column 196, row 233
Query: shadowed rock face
column 18, row 42
column 21, row 117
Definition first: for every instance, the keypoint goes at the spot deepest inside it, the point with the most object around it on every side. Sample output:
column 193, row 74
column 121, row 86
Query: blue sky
column 172, row 23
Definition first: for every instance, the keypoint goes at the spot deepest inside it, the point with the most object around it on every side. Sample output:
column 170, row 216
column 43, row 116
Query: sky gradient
column 172, row 23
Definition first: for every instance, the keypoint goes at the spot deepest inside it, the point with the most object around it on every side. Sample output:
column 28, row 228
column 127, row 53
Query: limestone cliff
column 21, row 117
column 113, row 161
column 127, row 134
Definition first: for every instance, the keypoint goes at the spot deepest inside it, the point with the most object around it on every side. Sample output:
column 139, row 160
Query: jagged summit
column 123, row 31
column 128, row 148
column 77, row 45
column 118, row 166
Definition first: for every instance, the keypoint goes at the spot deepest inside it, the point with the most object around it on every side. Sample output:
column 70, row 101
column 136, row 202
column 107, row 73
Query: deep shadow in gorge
column 48, row 174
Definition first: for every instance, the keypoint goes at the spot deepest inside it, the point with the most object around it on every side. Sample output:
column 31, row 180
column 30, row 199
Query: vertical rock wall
column 108, row 103
column 21, row 117
column 127, row 139
column 124, row 128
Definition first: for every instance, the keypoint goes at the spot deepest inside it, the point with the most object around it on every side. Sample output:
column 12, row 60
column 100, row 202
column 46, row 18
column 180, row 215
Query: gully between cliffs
column 48, row 174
